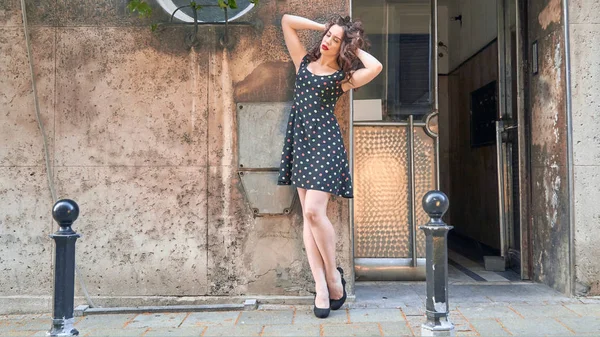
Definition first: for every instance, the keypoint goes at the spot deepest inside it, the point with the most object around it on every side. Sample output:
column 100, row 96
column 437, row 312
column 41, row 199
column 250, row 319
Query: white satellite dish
column 170, row 7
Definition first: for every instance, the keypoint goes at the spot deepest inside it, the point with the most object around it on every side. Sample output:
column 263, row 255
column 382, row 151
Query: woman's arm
column 364, row 75
column 290, row 24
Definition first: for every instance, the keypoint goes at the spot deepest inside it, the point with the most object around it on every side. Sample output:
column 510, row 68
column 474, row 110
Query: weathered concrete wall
column 142, row 134
column 550, row 200
column 584, row 31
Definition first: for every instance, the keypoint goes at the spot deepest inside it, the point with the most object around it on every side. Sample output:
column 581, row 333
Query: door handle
column 507, row 130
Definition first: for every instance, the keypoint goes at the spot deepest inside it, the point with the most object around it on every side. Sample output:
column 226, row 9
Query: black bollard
column 435, row 204
column 65, row 212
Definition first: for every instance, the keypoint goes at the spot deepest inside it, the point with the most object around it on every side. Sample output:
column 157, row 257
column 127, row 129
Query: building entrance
column 446, row 113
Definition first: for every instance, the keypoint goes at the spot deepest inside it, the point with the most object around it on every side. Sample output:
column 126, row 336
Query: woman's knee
column 312, row 214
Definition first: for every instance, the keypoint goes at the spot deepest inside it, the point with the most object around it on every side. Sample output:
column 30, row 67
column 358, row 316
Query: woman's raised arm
column 290, row 24
column 364, row 75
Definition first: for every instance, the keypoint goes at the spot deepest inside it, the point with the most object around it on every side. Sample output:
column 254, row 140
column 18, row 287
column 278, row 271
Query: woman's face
column 332, row 41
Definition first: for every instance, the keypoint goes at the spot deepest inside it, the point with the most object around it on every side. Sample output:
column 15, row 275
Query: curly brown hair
column 354, row 38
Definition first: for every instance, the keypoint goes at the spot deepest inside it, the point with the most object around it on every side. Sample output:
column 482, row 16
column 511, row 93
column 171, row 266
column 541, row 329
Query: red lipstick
column 324, row 47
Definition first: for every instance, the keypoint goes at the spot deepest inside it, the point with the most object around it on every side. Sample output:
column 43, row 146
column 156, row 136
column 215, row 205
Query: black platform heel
column 336, row 304
column 320, row 312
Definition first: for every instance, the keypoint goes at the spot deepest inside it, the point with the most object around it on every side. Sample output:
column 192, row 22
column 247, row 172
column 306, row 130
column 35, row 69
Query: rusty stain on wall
column 550, row 203
column 269, row 82
column 552, row 13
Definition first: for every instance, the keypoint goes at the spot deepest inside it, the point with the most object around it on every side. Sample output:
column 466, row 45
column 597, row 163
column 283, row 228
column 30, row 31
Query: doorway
column 484, row 133
column 446, row 114
column 394, row 137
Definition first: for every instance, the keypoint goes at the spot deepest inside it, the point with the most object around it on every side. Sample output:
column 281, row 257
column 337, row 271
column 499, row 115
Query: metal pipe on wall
column 500, row 11
column 411, row 174
column 570, row 173
column 435, row 89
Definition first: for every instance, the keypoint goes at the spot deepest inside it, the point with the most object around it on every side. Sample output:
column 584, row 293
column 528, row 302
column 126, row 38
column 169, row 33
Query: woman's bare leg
column 323, row 234
column 315, row 260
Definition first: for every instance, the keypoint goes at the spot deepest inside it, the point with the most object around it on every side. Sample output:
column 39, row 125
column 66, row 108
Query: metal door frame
column 505, row 205
column 413, row 268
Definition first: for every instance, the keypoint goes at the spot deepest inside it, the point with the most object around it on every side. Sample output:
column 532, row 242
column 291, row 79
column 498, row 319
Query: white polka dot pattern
column 314, row 156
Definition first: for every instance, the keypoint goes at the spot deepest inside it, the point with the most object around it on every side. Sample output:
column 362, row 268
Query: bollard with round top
column 64, row 212
column 435, row 204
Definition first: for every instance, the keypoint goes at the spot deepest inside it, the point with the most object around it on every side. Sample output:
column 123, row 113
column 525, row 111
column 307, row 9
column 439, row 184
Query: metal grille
column 381, row 202
column 424, row 180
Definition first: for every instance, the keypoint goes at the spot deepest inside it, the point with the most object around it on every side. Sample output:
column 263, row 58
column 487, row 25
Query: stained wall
column 142, row 134
column 550, row 225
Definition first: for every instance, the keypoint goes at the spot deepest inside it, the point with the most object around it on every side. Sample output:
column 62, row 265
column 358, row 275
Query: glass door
column 394, row 139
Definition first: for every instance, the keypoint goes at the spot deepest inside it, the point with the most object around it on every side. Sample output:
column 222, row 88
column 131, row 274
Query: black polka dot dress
column 313, row 156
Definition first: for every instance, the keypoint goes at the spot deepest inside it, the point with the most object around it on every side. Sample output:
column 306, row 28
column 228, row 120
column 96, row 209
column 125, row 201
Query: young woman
column 314, row 158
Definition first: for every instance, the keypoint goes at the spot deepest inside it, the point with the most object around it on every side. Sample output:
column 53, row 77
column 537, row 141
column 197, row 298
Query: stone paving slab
column 307, row 317
column 585, row 309
column 353, row 322
column 176, row 332
column 536, row 327
column 17, row 317
column 488, row 327
column 414, row 323
column 582, row 325
column 40, row 334
column 26, row 324
column 384, row 295
column 292, row 330
column 103, row 321
column 461, row 294
column 238, row 330
column 551, row 310
column 386, row 309
column 166, row 320
column 395, row 329
column 269, row 317
column 364, row 329
column 199, row 319
column 413, row 309
column 459, row 321
column 18, row 333
column 487, row 312
column 515, row 293
column 113, row 332
column 590, row 300
column 375, row 315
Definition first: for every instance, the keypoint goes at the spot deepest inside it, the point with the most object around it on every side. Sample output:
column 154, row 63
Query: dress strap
column 305, row 60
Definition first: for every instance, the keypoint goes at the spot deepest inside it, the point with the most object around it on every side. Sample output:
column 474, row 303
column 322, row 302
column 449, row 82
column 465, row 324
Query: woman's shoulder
column 306, row 59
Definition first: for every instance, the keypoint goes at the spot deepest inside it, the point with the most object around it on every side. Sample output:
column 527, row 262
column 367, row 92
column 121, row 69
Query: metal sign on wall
column 261, row 131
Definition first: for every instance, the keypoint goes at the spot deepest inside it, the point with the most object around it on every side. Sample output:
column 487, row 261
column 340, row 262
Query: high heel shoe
column 336, row 304
column 320, row 312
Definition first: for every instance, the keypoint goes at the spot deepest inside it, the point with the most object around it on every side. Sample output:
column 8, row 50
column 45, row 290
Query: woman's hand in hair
column 364, row 75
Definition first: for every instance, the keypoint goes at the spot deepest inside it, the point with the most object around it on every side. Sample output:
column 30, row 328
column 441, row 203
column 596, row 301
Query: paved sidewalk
column 380, row 309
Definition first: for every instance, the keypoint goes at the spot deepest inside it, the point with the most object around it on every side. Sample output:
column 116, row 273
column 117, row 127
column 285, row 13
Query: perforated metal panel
column 381, row 215
column 383, row 223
